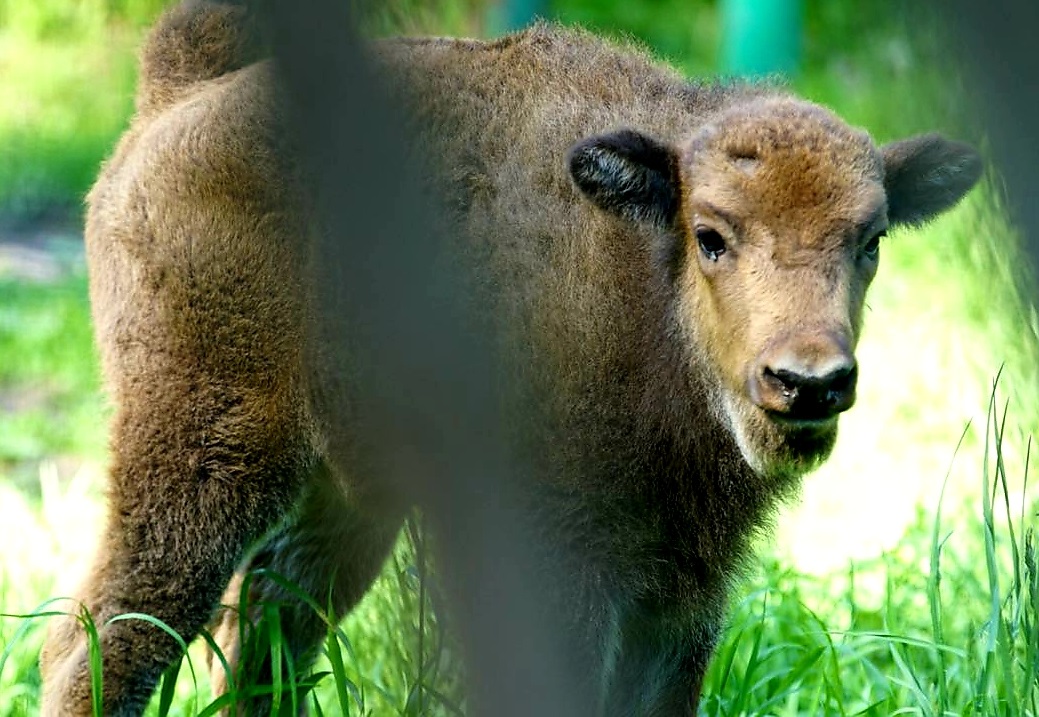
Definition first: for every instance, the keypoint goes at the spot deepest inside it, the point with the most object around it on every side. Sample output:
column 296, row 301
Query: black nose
column 802, row 395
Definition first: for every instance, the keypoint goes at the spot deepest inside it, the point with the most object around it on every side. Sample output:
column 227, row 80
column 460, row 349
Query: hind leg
column 331, row 549
column 195, row 478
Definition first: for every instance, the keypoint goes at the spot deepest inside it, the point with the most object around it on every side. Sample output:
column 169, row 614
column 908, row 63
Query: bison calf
column 677, row 272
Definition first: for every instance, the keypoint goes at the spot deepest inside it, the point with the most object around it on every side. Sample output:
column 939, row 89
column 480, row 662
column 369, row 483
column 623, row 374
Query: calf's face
column 769, row 221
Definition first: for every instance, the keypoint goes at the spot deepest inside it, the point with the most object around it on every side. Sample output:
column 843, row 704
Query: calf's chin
column 781, row 451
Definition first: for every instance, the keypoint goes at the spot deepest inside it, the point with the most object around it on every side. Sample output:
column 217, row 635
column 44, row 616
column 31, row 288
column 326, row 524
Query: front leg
column 656, row 664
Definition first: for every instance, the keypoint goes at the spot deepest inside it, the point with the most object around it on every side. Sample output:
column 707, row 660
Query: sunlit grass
column 47, row 540
column 949, row 311
column 950, row 627
column 376, row 660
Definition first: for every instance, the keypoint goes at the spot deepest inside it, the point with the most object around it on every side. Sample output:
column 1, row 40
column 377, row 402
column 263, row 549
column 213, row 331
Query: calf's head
column 767, row 224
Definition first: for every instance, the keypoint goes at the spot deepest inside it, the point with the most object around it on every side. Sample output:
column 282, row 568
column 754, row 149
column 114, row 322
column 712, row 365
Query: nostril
column 840, row 386
column 809, row 394
column 840, row 379
column 784, row 380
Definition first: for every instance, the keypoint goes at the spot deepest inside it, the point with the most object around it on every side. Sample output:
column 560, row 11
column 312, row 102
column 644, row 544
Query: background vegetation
column 870, row 601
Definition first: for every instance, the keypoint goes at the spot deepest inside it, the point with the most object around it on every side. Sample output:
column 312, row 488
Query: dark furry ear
column 925, row 175
column 628, row 174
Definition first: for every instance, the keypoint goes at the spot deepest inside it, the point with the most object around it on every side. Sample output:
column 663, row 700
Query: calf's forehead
column 791, row 166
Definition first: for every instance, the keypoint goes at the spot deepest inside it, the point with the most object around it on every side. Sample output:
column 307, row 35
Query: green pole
column 761, row 36
column 509, row 15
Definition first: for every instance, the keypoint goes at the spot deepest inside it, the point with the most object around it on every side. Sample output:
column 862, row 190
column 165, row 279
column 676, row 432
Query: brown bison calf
column 677, row 271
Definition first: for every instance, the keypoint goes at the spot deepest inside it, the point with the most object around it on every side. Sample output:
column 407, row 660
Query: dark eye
column 872, row 248
column 711, row 243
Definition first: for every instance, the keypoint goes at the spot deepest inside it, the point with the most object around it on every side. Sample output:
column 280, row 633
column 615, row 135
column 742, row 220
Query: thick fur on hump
column 673, row 268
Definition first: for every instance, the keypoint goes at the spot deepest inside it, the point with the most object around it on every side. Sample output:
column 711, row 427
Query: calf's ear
column 925, row 175
column 627, row 174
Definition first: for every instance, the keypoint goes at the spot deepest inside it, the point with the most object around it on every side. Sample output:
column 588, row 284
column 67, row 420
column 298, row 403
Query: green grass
column 796, row 644
column 59, row 116
column 49, row 383
column 942, row 633
column 867, row 603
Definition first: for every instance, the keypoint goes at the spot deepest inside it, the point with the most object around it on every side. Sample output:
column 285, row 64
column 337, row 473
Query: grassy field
column 870, row 600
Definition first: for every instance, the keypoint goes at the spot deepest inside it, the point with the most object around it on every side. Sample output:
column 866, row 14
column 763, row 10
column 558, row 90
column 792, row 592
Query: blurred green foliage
column 73, row 20
column 69, row 71
column 49, row 380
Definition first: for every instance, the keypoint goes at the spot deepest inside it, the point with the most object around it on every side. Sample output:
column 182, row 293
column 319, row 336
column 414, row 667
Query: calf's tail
column 192, row 42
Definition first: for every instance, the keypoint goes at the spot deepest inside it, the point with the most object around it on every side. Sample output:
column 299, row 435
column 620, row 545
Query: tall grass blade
column 28, row 622
column 934, row 595
column 94, row 661
column 176, row 638
column 335, row 657
column 168, row 687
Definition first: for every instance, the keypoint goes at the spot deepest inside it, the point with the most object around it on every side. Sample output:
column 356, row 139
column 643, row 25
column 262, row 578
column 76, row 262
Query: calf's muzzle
column 807, row 378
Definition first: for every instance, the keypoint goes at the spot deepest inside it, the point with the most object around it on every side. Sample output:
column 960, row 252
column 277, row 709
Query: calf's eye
column 711, row 243
column 871, row 249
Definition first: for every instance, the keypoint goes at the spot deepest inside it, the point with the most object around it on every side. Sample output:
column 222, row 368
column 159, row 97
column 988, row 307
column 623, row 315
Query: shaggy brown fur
column 677, row 271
